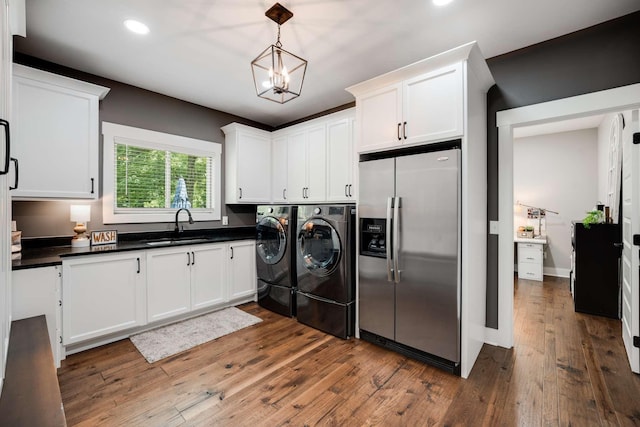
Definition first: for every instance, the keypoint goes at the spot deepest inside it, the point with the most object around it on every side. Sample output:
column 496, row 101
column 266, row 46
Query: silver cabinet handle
column 284, row 194
column 346, row 188
column 388, row 237
column 350, row 195
column 396, row 239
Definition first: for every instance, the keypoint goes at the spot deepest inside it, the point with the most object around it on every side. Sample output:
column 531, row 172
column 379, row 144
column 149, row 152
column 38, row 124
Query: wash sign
column 104, row 237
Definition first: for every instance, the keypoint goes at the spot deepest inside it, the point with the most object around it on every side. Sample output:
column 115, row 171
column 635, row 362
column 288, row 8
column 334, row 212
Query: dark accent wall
column 131, row 106
column 597, row 58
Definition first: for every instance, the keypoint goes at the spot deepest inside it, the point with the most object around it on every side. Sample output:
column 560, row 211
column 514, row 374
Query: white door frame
column 602, row 102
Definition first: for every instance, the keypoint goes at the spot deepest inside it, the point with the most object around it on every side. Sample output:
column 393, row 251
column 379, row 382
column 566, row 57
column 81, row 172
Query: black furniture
column 597, row 251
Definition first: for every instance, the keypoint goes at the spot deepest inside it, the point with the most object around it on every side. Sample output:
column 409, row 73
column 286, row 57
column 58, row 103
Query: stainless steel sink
column 169, row 242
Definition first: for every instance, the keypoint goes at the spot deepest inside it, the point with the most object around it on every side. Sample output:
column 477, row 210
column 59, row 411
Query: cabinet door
column 168, row 282
column 102, row 294
column 242, row 271
column 208, row 285
column 379, row 118
column 254, row 168
column 316, row 164
column 433, row 106
column 35, row 291
column 339, row 161
column 55, row 135
column 296, row 166
column 279, row 169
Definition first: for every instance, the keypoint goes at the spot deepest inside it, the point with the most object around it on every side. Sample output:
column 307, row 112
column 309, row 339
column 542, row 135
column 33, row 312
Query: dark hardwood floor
column 566, row 368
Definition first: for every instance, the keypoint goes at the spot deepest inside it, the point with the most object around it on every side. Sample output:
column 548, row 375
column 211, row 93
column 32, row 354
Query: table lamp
column 80, row 214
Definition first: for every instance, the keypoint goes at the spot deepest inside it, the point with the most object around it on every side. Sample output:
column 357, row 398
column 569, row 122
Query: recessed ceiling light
column 136, row 26
column 441, row 2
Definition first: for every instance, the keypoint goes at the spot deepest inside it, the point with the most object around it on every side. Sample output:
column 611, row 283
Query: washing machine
column 325, row 247
column 275, row 258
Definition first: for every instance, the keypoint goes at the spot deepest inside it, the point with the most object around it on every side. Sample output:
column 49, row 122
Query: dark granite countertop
column 46, row 252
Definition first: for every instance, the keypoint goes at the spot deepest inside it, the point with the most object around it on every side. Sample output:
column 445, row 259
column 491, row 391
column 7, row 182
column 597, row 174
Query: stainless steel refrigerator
column 409, row 257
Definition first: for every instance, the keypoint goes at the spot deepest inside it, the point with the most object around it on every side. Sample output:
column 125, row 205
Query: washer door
column 271, row 240
column 319, row 247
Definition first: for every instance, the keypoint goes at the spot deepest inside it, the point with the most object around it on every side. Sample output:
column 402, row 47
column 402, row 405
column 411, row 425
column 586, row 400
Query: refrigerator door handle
column 396, row 239
column 388, row 239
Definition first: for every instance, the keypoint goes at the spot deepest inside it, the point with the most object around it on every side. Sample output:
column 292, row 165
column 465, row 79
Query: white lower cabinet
column 102, row 294
column 530, row 261
column 208, row 274
column 105, row 294
column 184, row 278
column 37, row 291
column 242, row 270
column 168, row 282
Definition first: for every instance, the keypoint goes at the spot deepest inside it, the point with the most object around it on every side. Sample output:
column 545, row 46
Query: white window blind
column 153, row 178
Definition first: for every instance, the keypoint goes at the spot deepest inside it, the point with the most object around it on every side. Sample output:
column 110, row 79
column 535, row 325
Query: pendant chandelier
column 277, row 74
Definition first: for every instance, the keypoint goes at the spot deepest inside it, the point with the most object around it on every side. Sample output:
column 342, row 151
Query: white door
column 102, row 295
column 630, row 253
column 254, row 168
column 339, row 161
column 168, row 282
column 279, row 170
column 316, row 164
column 208, row 285
column 296, row 167
column 379, row 118
column 242, row 270
column 433, row 106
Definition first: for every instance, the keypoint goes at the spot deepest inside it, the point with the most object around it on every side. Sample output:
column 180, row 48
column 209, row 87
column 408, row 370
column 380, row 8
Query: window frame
column 115, row 133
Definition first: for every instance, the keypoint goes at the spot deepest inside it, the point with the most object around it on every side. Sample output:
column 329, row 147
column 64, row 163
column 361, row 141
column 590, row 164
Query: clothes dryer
column 325, row 247
column 275, row 262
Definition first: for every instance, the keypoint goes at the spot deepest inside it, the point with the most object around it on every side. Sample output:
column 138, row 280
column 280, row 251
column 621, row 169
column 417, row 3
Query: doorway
column 603, row 102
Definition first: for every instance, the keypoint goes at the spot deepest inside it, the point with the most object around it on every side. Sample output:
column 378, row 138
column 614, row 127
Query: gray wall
column 132, row 106
column 597, row 58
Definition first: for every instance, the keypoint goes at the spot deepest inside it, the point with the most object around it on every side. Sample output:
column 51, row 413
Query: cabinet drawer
column 530, row 271
column 530, row 255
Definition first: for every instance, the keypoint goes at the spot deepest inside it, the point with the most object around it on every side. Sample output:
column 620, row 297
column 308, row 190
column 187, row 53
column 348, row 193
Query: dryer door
column 319, row 247
column 271, row 241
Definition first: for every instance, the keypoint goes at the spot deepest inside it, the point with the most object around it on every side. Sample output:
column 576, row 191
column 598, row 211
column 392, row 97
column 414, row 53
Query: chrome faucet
column 177, row 229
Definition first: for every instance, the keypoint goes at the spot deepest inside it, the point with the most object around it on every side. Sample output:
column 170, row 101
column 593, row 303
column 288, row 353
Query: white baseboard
column 556, row 272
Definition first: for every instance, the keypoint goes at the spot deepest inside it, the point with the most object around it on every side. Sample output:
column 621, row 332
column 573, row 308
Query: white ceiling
column 200, row 50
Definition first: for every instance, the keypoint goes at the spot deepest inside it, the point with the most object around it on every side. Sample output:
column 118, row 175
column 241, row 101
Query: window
column 148, row 175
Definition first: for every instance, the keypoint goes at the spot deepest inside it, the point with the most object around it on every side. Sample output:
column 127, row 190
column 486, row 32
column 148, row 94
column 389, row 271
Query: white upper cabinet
column 417, row 104
column 379, row 115
column 248, row 164
column 55, row 135
column 306, row 164
column 432, row 106
column 340, row 161
column 310, row 162
column 279, row 173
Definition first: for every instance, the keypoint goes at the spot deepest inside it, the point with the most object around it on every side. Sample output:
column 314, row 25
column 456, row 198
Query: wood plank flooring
column 566, row 368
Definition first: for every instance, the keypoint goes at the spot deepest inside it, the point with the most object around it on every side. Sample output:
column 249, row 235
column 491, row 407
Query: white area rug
column 168, row 340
